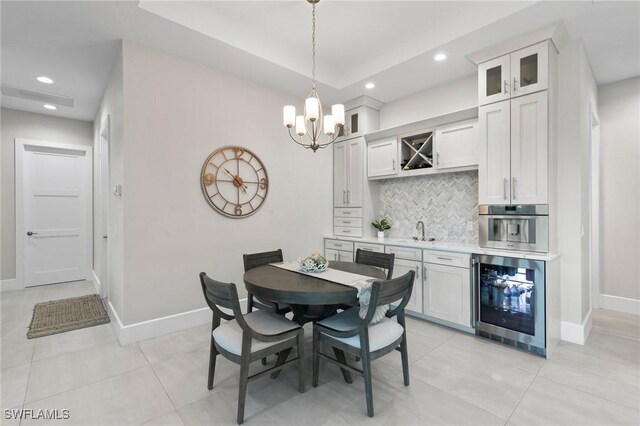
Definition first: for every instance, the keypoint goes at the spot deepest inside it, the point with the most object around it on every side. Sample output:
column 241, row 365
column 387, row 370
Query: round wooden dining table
column 311, row 298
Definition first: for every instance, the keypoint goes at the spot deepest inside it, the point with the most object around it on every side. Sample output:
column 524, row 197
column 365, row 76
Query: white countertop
column 450, row 246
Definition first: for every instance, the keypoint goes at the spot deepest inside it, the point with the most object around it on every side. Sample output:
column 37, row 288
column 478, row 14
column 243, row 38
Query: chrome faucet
column 420, row 226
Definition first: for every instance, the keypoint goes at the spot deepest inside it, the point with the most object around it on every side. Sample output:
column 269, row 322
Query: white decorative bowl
column 308, row 265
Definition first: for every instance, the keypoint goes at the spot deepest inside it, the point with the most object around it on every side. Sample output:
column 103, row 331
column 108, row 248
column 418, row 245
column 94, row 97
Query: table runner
column 357, row 281
column 362, row 283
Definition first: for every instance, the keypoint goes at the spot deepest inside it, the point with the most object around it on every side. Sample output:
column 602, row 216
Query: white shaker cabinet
column 348, row 173
column 447, row 293
column 456, row 145
column 529, row 149
column 518, row 73
column 513, row 143
column 382, row 157
column 401, row 267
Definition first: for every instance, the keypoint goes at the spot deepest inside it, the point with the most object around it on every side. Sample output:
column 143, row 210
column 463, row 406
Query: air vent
column 47, row 98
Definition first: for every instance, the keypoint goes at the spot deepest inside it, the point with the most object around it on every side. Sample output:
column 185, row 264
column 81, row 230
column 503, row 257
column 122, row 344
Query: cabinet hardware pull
column 417, row 271
column 514, row 188
column 346, row 231
column 424, row 272
column 346, row 212
column 505, row 87
column 515, row 85
column 504, row 188
column 338, row 245
column 444, row 258
column 393, row 162
column 346, row 221
column 437, row 158
column 344, row 197
column 348, row 196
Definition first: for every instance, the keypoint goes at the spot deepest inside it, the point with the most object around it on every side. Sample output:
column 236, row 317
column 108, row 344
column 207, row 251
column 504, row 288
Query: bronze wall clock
column 234, row 181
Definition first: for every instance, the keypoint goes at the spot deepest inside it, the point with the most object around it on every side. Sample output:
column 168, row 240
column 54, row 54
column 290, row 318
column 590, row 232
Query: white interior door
column 53, row 202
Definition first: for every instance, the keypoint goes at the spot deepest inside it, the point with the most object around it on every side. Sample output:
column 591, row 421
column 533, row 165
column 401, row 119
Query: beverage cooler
column 509, row 303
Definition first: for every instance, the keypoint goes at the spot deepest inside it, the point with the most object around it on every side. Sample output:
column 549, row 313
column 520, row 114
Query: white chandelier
column 313, row 122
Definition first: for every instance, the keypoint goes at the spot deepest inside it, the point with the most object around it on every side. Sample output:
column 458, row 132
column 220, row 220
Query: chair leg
column 242, row 388
column 315, row 358
column 405, row 359
column 300, row 343
column 213, row 353
column 368, row 388
column 342, row 359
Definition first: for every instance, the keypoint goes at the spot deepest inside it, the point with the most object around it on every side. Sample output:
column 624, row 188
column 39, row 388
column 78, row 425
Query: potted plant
column 381, row 225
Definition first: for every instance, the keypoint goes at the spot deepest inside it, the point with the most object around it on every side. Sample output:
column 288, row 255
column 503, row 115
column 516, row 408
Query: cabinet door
column 447, row 293
column 340, row 164
column 530, row 69
column 493, row 80
column 529, row 146
column 355, row 171
column 382, row 158
column 353, row 121
column 338, row 255
column 457, row 145
column 401, row 267
column 494, row 153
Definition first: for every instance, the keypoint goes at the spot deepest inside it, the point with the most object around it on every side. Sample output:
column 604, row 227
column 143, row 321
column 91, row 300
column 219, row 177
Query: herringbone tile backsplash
column 444, row 202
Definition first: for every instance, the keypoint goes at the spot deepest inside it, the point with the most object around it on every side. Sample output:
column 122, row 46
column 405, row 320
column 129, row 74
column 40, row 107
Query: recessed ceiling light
column 440, row 57
column 44, row 79
column 49, row 106
column 369, row 85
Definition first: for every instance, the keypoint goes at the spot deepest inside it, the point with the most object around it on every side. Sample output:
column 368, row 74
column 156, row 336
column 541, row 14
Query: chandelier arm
column 299, row 143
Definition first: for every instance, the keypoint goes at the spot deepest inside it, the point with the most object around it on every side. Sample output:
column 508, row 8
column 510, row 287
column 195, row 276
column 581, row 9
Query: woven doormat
column 66, row 315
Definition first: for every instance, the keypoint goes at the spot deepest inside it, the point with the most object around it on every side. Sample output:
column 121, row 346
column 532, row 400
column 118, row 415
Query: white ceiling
column 389, row 42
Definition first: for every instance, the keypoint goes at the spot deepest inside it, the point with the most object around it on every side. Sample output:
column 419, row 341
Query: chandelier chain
column 313, row 45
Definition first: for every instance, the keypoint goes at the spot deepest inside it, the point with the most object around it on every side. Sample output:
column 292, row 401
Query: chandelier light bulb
column 312, row 109
column 337, row 111
column 329, row 126
column 301, row 130
column 289, row 116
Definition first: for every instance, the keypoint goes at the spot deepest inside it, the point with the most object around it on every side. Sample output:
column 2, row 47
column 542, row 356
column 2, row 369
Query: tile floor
column 455, row 378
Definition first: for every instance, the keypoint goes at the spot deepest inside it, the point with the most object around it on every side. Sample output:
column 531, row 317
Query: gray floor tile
column 615, row 381
column 607, row 346
column 17, row 349
column 128, row 399
column 67, row 290
column 432, row 331
column 548, row 402
column 171, row 419
column 616, row 323
column 488, row 383
column 71, row 341
column 64, row 372
column 165, row 347
column 13, row 385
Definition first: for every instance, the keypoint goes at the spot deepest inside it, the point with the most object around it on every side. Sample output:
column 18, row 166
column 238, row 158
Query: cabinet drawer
column 338, row 245
column 338, row 255
column 370, row 247
column 404, row 252
column 347, row 212
column 343, row 231
column 447, row 258
column 349, row 222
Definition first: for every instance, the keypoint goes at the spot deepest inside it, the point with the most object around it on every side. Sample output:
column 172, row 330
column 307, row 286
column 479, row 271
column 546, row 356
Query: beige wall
column 619, row 110
column 454, row 96
column 175, row 114
column 27, row 125
column 112, row 107
column 576, row 95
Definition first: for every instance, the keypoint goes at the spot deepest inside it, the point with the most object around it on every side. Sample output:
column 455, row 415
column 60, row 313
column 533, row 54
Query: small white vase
column 381, row 235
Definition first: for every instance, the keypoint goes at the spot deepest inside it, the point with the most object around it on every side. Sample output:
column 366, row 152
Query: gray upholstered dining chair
column 254, row 260
column 348, row 332
column 244, row 339
column 381, row 260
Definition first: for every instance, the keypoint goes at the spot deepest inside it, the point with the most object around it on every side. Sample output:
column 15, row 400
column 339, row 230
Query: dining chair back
column 380, row 260
column 244, row 339
column 348, row 332
column 254, row 260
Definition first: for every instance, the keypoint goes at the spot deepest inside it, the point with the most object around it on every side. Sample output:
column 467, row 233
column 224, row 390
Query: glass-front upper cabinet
column 493, row 80
column 519, row 73
column 529, row 69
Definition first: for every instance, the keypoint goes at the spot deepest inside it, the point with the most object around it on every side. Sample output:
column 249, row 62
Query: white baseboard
column 576, row 333
column 10, row 284
column 159, row 326
column 96, row 283
column 620, row 304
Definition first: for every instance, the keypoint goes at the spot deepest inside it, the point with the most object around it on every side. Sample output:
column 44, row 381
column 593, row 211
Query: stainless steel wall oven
column 509, row 301
column 523, row 227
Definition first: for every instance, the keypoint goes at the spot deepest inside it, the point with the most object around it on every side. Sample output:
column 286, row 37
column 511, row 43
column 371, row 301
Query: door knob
column 31, row 233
